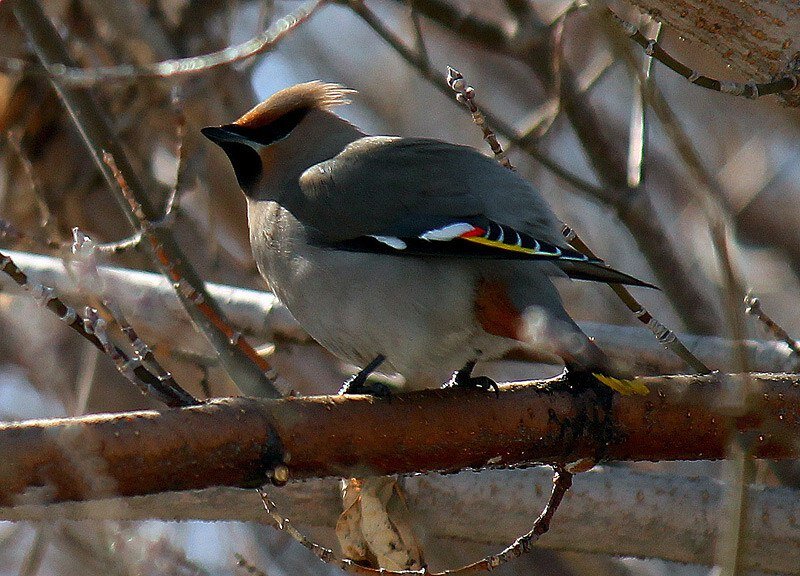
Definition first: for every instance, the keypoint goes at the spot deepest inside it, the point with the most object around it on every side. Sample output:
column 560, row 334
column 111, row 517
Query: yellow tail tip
column 623, row 386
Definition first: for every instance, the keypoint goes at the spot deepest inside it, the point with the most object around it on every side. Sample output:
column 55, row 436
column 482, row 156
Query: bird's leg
column 465, row 379
column 358, row 384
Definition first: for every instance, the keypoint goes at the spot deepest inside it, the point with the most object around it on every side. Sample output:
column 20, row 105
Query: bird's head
column 272, row 144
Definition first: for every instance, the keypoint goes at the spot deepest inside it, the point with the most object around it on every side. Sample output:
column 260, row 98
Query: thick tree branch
column 752, row 89
column 757, row 37
column 239, row 441
column 609, row 510
column 150, row 300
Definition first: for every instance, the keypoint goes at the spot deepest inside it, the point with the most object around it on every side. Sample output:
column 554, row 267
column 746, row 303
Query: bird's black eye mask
column 245, row 161
column 274, row 131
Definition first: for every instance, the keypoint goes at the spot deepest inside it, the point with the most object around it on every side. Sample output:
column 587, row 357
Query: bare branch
column 71, row 76
column 161, row 386
column 750, row 89
column 241, row 441
column 664, row 335
column 609, row 510
column 244, row 366
column 757, row 37
column 754, row 309
column 562, row 481
column 261, row 315
column 466, row 95
column 420, row 63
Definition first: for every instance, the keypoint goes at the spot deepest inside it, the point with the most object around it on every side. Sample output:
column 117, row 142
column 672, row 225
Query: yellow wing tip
column 623, row 386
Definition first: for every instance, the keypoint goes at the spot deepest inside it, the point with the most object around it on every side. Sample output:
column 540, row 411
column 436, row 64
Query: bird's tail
column 593, row 362
column 581, row 355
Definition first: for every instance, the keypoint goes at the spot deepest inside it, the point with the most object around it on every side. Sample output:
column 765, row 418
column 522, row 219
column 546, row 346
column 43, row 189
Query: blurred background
column 557, row 81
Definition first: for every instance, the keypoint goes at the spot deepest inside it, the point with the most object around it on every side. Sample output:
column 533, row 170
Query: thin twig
column 637, row 140
column 71, row 76
column 465, row 94
column 8, row 231
column 663, row 334
column 166, row 390
column 750, row 89
column 243, row 365
column 753, row 307
column 543, row 117
column 85, row 381
column 419, row 38
column 142, row 350
column 249, row 567
column 129, row 243
column 32, row 562
column 80, row 240
column 172, row 203
column 420, row 64
column 46, row 221
column 562, row 481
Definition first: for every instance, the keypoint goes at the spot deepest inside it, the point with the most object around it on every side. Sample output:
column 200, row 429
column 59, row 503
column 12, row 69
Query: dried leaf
column 374, row 528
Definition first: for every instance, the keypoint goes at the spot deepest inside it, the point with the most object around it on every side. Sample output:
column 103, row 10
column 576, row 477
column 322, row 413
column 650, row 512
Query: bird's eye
column 245, row 161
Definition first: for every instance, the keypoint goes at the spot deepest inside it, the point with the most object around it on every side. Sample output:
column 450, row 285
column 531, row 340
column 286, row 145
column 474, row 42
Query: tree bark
column 759, row 38
column 239, row 441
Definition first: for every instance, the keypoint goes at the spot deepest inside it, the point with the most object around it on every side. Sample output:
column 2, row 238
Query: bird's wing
column 421, row 197
column 483, row 238
column 405, row 186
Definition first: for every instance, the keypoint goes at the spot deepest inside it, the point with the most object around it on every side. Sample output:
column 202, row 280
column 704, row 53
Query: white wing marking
column 391, row 241
column 447, row 232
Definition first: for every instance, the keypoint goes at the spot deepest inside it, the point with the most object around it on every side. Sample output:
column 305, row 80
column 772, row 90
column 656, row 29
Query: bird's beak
column 221, row 134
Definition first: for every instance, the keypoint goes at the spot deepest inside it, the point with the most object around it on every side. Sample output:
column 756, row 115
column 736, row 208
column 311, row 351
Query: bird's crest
column 298, row 98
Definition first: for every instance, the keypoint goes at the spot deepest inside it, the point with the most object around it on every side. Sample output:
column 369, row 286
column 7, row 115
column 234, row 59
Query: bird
column 414, row 254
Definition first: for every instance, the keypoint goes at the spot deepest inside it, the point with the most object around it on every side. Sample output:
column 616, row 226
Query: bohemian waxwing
column 412, row 252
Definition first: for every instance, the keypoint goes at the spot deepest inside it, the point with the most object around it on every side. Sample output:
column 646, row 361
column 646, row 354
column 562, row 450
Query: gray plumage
column 404, row 186
column 323, row 182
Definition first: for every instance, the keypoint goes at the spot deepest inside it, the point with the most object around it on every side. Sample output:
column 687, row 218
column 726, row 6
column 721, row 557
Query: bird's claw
column 357, row 385
column 480, row 382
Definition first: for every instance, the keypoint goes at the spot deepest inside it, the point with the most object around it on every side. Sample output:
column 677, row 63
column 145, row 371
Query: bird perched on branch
column 422, row 255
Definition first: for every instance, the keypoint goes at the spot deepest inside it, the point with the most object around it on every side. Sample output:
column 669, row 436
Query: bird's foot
column 582, row 380
column 464, row 379
column 371, row 387
column 578, row 378
column 604, row 383
column 358, row 384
